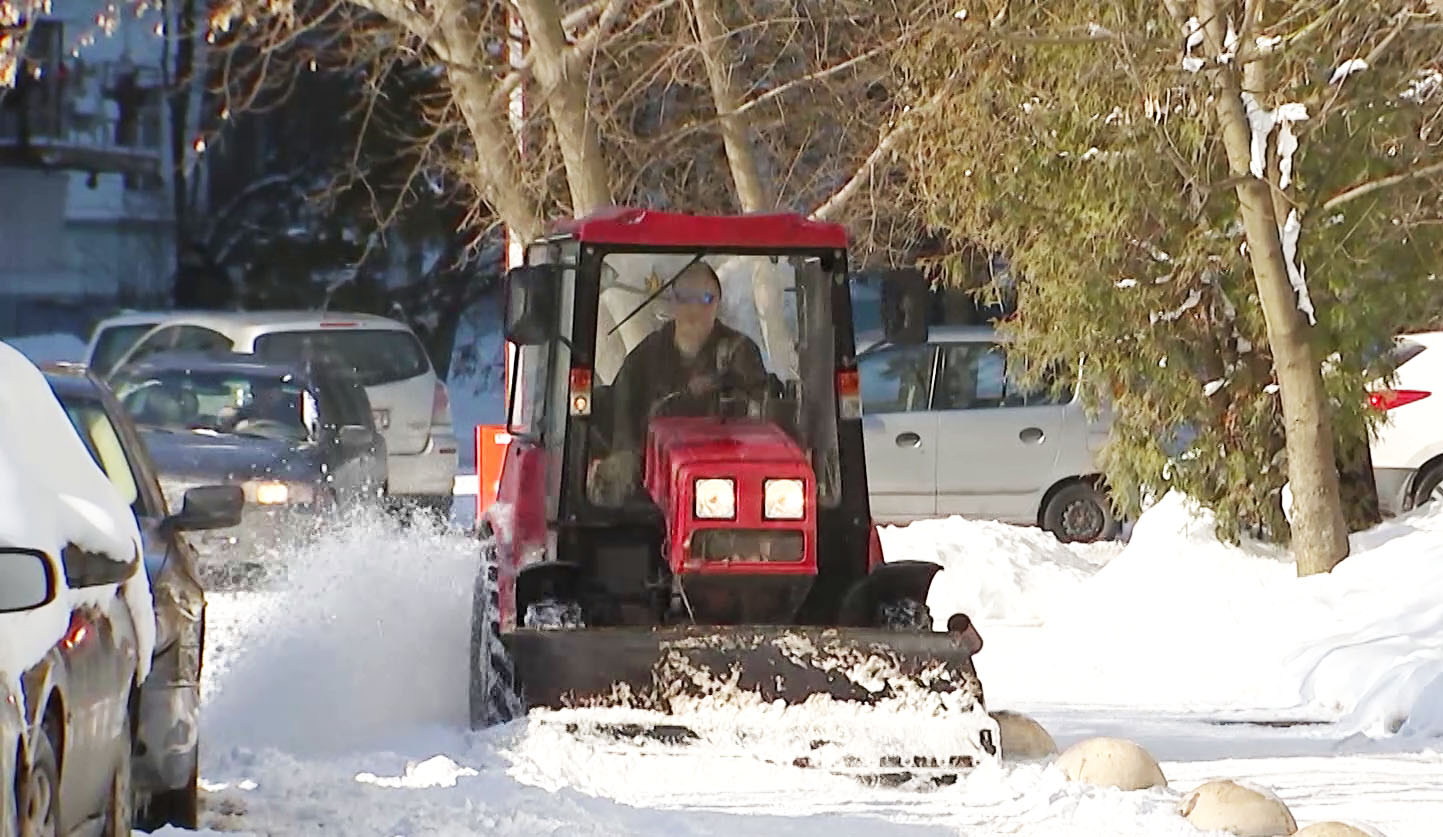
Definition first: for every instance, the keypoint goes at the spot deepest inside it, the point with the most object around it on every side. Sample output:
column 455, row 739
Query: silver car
column 947, row 432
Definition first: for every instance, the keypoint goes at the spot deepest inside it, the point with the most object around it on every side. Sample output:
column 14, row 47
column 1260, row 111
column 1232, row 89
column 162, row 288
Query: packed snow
column 337, row 702
column 52, row 494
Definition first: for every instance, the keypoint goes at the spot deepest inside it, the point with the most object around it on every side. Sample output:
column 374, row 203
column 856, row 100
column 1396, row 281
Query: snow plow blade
column 917, row 711
column 561, row 668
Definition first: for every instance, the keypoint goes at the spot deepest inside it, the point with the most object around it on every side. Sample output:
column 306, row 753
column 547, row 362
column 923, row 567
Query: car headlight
column 716, row 497
column 783, row 499
column 277, row 493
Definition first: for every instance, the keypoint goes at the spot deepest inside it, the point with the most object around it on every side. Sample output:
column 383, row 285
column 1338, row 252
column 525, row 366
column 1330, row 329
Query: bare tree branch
column 1368, row 187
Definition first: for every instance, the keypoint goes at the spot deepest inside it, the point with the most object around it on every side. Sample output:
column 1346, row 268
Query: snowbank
column 995, row 572
column 50, row 348
column 52, row 494
column 1179, row 621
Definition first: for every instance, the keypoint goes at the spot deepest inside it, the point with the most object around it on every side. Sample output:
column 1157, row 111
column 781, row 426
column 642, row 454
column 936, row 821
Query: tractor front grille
column 748, row 546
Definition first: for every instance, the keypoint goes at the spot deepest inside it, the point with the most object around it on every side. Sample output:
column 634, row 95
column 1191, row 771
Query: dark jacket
column 656, row 369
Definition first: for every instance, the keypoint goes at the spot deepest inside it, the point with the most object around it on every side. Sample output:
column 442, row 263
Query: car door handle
column 909, row 440
column 1031, row 435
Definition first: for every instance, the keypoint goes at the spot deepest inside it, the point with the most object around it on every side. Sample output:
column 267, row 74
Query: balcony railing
column 98, row 117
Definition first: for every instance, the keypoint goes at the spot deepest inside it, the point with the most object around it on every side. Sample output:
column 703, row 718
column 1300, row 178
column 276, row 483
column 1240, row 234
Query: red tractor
column 635, row 545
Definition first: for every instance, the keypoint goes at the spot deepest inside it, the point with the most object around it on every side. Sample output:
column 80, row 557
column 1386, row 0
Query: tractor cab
column 686, row 468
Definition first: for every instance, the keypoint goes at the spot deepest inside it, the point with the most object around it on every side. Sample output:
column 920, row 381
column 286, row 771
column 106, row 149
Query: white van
column 412, row 407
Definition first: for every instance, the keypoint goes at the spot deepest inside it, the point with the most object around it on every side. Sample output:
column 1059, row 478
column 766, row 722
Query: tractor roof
column 652, row 228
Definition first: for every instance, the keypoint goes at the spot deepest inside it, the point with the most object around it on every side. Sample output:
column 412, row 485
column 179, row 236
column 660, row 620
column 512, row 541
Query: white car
column 411, row 405
column 947, row 433
column 1407, row 448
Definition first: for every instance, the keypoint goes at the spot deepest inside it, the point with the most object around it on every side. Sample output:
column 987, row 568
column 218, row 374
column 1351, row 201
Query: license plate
column 383, row 418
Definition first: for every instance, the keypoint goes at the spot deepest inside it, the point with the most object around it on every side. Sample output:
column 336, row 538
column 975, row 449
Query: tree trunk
column 566, row 101
column 1320, row 534
column 746, row 175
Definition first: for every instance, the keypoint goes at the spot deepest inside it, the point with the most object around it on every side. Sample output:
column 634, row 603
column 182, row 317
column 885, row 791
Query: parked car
column 115, row 335
column 947, row 432
column 1407, row 449
column 75, row 619
column 411, row 405
column 167, row 755
column 297, row 437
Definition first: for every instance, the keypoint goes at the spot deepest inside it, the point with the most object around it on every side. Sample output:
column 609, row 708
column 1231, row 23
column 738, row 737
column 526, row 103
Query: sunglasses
column 695, row 297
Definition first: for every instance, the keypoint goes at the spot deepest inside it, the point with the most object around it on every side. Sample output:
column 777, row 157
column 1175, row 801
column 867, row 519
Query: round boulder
column 1023, row 739
column 1238, row 808
column 1333, row 828
column 1112, row 762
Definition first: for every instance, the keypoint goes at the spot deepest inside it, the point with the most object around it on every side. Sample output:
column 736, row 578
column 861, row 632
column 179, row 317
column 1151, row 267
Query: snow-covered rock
column 1022, row 738
column 1111, row 762
column 1238, row 808
column 1333, row 828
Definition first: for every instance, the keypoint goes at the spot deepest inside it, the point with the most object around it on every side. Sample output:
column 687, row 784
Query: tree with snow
column 1224, row 208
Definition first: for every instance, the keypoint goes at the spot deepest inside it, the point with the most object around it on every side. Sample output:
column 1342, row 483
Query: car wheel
column 1429, row 488
column 120, row 813
column 39, row 795
column 1079, row 513
column 179, row 807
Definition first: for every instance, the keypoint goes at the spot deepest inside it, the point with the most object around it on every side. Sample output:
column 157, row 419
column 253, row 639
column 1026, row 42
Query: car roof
column 941, row 334
column 282, row 320
column 218, row 362
column 71, row 379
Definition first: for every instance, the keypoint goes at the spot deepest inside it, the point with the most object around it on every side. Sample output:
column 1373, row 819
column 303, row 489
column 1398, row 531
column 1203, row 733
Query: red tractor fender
column 874, row 548
column 517, row 520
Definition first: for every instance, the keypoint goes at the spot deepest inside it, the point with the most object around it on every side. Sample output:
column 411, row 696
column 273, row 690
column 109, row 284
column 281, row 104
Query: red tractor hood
column 749, row 452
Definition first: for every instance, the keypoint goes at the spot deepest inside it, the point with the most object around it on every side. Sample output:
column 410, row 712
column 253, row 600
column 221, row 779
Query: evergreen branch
column 1370, row 186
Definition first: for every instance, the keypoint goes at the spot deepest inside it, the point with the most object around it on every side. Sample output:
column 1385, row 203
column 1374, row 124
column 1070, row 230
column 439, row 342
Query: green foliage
column 1070, row 138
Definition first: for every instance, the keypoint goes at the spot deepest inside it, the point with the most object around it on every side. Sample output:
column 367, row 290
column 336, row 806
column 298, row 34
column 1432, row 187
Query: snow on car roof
column 52, row 493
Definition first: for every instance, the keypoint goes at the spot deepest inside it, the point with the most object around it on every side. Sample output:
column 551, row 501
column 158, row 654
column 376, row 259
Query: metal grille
column 748, row 545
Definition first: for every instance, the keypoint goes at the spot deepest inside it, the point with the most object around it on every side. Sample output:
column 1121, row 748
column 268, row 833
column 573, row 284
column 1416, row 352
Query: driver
column 686, row 363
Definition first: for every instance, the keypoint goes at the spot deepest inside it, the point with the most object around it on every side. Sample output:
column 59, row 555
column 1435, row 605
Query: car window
column 348, row 403
column 113, row 341
column 379, row 356
column 975, row 376
column 196, row 338
column 896, row 380
column 218, row 401
column 98, row 433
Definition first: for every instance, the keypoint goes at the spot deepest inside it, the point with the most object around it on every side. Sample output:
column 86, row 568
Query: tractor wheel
column 493, row 697
column 904, row 615
column 1080, row 513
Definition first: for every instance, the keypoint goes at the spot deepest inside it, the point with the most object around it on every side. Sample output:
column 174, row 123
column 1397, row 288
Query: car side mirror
column 532, row 293
column 209, row 507
column 353, row 437
column 26, row 580
column 905, row 300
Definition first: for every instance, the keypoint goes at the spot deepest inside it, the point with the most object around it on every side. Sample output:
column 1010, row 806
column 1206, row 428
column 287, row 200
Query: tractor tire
column 904, row 615
column 1080, row 513
column 492, row 698
column 179, row 807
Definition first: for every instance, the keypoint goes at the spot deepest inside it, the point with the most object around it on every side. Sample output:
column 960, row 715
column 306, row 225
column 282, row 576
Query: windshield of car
column 754, row 332
column 113, row 342
column 379, row 356
column 216, row 401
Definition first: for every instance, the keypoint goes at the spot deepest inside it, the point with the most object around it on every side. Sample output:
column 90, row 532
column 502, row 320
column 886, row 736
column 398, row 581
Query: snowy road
column 337, row 707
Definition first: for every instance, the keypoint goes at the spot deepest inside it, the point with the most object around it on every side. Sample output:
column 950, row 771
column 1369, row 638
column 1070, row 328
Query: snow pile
column 50, row 348
column 52, row 494
column 1181, row 621
column 369, row 638
column 995, row 572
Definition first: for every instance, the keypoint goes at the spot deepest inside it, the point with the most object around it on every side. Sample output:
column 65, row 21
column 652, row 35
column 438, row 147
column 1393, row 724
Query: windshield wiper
column 658, row 292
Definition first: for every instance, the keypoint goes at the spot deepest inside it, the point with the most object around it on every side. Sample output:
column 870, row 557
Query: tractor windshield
column 711, row 335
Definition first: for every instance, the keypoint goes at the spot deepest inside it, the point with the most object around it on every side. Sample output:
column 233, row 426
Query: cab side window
column 897, row 380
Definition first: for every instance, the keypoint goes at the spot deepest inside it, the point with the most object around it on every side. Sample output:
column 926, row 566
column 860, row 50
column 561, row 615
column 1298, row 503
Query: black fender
column 892, row 581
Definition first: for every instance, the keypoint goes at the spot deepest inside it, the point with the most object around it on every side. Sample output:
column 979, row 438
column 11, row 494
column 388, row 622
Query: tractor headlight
column 783, row 500
column 716, row 498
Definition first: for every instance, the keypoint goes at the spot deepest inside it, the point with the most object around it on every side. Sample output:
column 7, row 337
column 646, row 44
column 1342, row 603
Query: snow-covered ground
column 337, row 705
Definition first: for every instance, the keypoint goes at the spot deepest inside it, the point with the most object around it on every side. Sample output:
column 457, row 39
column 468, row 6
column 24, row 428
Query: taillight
column 1387, row 399
column 849, row 394
column 579, row 395
column 440, row 405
